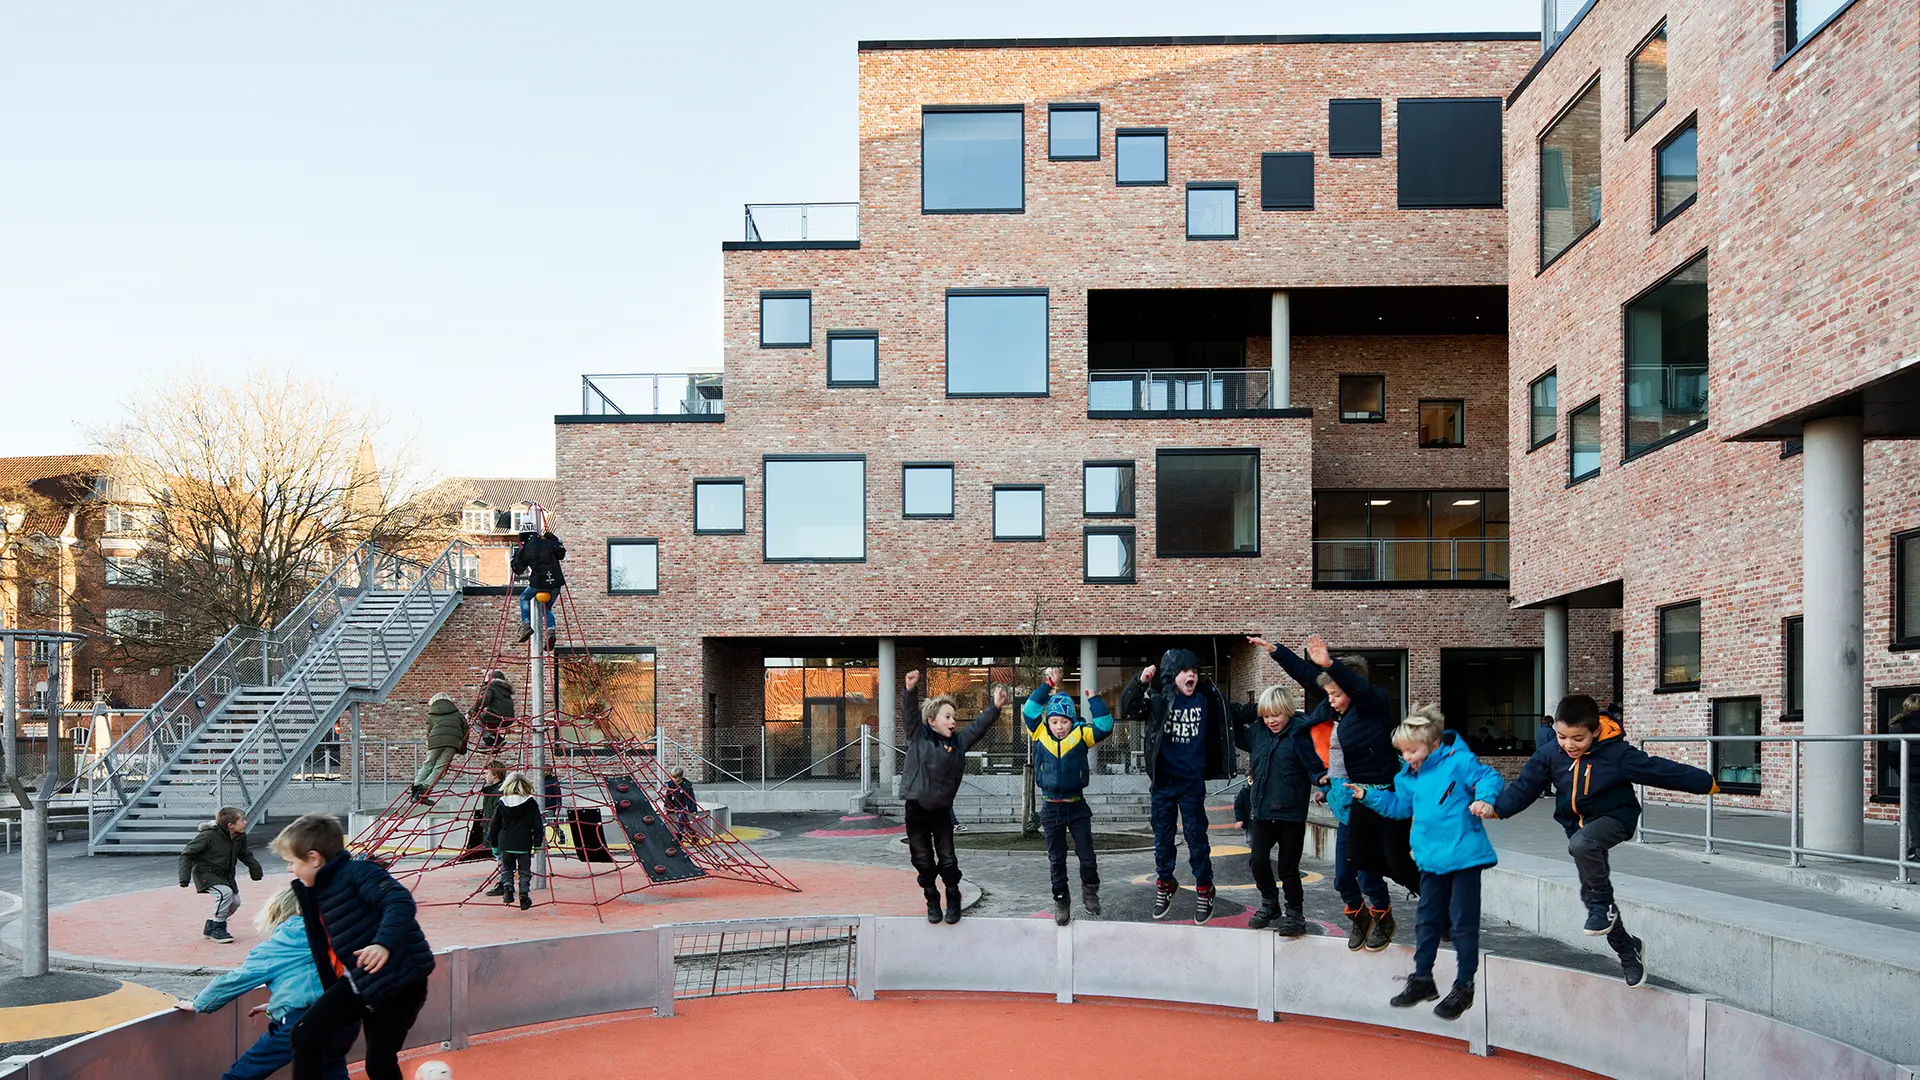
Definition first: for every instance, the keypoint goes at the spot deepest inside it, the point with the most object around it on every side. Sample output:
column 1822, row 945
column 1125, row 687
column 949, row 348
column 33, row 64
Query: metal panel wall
column 1743, row 1045
column 1198, row 964
column 435, row 1025
column 1011, row 955
column 167, row 1043
column 532, row 982
column 1585, row 1020
column 1318, row 976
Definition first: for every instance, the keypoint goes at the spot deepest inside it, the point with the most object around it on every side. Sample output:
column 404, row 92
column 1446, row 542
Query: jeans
column 430, row 769
column 1589, row 847
column 1449, row 900
column 1187, row 800
column 930, row 845
column 386, row 1026
column 1285, row 840
column 1059, row 820
column 274, row 1049
column 226, row 901
column 1356, row 886
column 520, row 862
column 526, row 606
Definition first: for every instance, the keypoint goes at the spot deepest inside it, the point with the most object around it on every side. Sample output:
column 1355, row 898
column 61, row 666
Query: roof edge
column 885, row 45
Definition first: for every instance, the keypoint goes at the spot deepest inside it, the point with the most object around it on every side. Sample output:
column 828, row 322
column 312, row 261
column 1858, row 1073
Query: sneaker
column 526, row 631
column 525, row 901
column 1600, row 919
column 1202, row 904
column 1291, row 924
column 206, row 929
column 1633, row 961
column 1062, row 910
column 1380, row 934
column 501, row 889
column 1458, row 1000
column 1163, row 898
column 959, row 828
column 1362, row 921
column 552, row 639
column 1090, row 899
column 218, row 933
column 1269, row 911
column 1417, row 991
column 934, row 913
column 954, row 904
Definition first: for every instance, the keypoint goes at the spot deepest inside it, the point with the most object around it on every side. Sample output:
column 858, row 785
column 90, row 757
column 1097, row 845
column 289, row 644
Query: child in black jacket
column 515, row 831
column 936, row 760
column 538, row 557
column 1189, row 737
column 1286, row 769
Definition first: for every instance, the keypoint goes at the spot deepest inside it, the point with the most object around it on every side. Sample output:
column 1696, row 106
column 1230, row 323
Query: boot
column 1362, row 920
column 1417, row 991
column 1381, row 935
column 506, row 892
column 206, row 929
column 526, row 631
column 501, row 887
column 934, row 914
column 1263, row 918
column 1293, row 923
column 1458, row 1000
column 1062, row 910
column 552, row 639
column 218, row 932
column 525, row 901
column 1090, row 899
column 953, row 904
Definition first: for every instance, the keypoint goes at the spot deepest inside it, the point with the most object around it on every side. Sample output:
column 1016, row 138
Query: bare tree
column 1038, row 653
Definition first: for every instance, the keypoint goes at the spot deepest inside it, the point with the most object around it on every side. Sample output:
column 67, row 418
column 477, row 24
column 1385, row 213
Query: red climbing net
column 614, row 825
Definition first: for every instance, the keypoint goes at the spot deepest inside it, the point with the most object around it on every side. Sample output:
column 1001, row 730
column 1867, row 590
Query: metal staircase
column 243, row 720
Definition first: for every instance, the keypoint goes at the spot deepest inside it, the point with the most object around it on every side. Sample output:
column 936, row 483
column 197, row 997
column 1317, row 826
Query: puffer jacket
column 515, row 827
column 283, row 964
column 1598, row 782
column 446, row 728
column 1286, row 767
column 353, row 904
column 495, row 702
column 1446, row 837
column 1366, row 728
column 935, row 763
column 1060, row 768
column 212, row 856
column 539, row 557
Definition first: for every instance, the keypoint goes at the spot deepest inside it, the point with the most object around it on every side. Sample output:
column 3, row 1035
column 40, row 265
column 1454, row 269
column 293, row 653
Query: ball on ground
column 433, row 1070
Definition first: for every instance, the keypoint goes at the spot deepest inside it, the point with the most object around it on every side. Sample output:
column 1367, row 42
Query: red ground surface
column 827, row 1033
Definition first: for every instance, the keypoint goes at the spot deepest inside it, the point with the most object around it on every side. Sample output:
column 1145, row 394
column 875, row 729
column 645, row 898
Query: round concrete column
column 1832, row 573
column 889, row 703
column 1089, row 686
column 1282, row 351
column 1553, row 666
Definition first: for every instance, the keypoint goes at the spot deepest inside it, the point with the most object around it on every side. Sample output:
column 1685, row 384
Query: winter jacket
column 1446, row 837
column 352, row 904
column 515, row 827
column 283, row 964
column 1598, row 783
column 539, row 557
column 495, row 703
column 211, row 857
column 1140, row 702
column 1060, row 767
column 1366, row 728
column 446, row 728
column 678, row 796
column 935, row 763
column 1286, row 767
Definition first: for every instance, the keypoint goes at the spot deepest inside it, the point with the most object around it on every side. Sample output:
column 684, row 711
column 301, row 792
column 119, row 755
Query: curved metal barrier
column 1587, row 1021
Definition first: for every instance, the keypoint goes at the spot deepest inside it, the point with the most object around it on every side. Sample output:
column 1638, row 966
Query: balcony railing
column 790, row 222
column 1418, row 559
column 696, row 394
column 1180, row 390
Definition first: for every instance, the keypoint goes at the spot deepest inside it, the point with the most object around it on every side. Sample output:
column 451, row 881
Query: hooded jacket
column 283, row 964
column 1151, row 704
column 1366, row 728
column 495, row 701
column 1446, row 837
column 515, row 826
column 352, row 904
column 935, row 763
column 212, row 856
column 1060, row 768
column 1599, row 782
column 446, row 728
column 539, row 557
column 1286, row 766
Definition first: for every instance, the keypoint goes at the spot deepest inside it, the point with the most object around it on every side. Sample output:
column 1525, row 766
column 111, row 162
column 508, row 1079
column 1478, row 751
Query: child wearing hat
column 1060, row 741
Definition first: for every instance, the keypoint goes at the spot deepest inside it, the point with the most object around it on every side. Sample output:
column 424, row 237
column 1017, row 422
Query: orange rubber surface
column 826, row 1033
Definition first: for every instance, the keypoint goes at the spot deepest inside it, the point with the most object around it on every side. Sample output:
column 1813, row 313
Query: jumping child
column 208, row 862
column 1189, row 737
column 1286, row 768
column 936, row 760
column 1059, row 747
column 515, row 830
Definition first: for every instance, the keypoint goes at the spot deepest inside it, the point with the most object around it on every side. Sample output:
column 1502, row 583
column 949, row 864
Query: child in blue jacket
column 1446, row 791
column 1060, row 742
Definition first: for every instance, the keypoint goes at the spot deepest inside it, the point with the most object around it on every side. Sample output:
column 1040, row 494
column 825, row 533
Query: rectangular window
column 1073, row 132
column 1542, row 394
column 633, row 567
column 1570, row 175
column 1207, row 503
column 1386, row 669
column 720, row 506
column 1667, row 359
column 475, row 519
column 1363, row 399
column 130, row 571
column 1906, row 589
column 926, row 489
column 1793, row 665
column 1213, row 211
column 972, row 160
column 786, row 320
column 1647, row 78
column 1140, row 156
column 41, row 601
column 1806, row 17
column 1286, row 181
column 1679, row 180
column 1109, row 555
column 1109, row 489
column 1409, row 536
column 996, row 343
column 1890, row 702
column 1353, row 127
column 815, row 509
column 1020, row 513
column 1450, row 156
column 1583, row 442
column 1679, row 647
column 1737, row 765
column 1443, row 423
column 853, row 358
column 133, row 622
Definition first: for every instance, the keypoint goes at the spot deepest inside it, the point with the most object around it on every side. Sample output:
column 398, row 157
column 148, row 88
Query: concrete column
column 1832, row 574
column 1282, row 351
column 8, row 704
column 1089, row 686
column 1553, row 669
column 889, row 695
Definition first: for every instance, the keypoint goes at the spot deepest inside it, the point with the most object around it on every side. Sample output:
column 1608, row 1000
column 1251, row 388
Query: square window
column 1736, row 766
column 1793, row 665
column 633, row 567
column 1892, row 703
column 1286, row 181
column 1109, row 555
column 1679, row 647
column 1647, row 78
column 853, row 358
column 1542, row 394
column 1666, row 335
column 1353, row 127
column 1804, row 17
column 1443, row 423
column 1109, row 489
column 1019, row 513
column 1570, row 175
column 1583, row 442
column 1906, row 588
column 972, row 160
column 815, row 509
column 1679, row 181
column 1140, row 156
column 1207, row 503
column 996, row 343
column 786, row 320
column 926, row 489
column 1450, row 153
column 1363, row 399
column 1073, row 132
column 720, row 506
column 1212, row 211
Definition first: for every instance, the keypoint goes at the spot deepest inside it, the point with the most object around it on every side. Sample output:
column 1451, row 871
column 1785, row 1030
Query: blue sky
column 451, row 209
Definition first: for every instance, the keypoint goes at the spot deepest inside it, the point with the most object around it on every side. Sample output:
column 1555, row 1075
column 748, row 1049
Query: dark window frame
column 1905, row 638
column 1713, row 749
column 1379, row 127
column 1787, row 28
column 1400, row 199
column 993, row 514
column 719, row 481
column 767, row 459
column 1632, row 127
column 1484, row 493
column 953, row 490
column 1074, row 106
column 1582, row 478
column 1021, row 109
column 854, row 335
column 946, row 341
column 1133, row 545
column 786, row 294
column 1213, row 185
column 1166, row 155
column 1791, row 627
column 633, row 541
column 1627, row 452
column 1210, row 451
column 1533, row 437
column 1660, row 685
column 1691, row 123
column 1269, row 205
column 1460, row 423
column 1128, row 464
column 1540, row 167
column 1339, row 395
column 1883, row 758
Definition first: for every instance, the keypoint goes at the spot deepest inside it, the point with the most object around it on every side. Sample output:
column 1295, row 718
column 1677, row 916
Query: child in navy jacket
column 1285, row 769
column 1060, row 771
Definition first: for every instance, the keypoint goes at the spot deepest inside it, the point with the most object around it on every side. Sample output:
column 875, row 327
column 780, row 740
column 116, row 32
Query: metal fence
column 1180, row 390
column 790, row 222
column 698, row 393
column 1415, row 559
column 719, row 959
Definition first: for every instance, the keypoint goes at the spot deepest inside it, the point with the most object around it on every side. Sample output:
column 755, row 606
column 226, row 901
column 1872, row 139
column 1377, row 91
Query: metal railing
column 695, row 394
column 789, row 222
column 1793, row 849
column 850, row 762
column 1194, row 390
column 1410, row 559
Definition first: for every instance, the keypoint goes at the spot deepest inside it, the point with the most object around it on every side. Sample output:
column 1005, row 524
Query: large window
column 1679, row 177
column 926, row 489
column 1386, row 669
column 996, row 342
column 1583, row 442
column 1492, row 697
column 1363, row 399
column 1073, row 132
column 971, row 160
column 1213, row 210
column 1679, row 628
column 1108, row 489
column 633, row 566
column 720, row 506
column 616, row 690
column 131, row 571
column 811, row 708
column 1647, row 77
column 1570, row 175
column 1140, row 156
column 1890, row 702
column 1286, row 181
column 1109, row 554
column 1806, row 17
column 134, row 623
column 1542, row 393
column 1207, row 503
column 786, row 320
column 1443, row 422
column 816, row 509
column 1736, row 766
column 1353, row 127
column 853, row 358
column 1793, row 662
column 1667, row 358
column 1450, row 154
column 1020, row 512
column 1409, row 536
column 1906, row 589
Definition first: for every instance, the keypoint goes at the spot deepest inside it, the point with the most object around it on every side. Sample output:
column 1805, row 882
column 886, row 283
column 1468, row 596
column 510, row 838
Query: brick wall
column 454, row 663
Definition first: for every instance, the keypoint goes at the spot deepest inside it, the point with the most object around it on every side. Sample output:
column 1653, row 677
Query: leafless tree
column 1038, row 653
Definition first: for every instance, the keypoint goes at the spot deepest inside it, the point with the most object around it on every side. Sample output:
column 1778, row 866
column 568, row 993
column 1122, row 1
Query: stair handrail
column 447, row 563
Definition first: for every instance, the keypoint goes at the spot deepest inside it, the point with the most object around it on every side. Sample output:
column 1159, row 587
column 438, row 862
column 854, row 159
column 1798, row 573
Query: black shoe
column 1291, row 924
column 1269, row 911
column 526, row 631
column 1362, row 921
column 551, row 639
column 1417, row 991
column 1202, row 904
column 206, row 929
column 217, row 933
column 1090, row 899
column 1633, row 961
column 934, row 914
column 1163, row 898
column 954, row 904
column 1600, row 919
column 525, row 901
column 1458, row 1000
column 500, row 889
column 1062, row 910
column 1380, row 935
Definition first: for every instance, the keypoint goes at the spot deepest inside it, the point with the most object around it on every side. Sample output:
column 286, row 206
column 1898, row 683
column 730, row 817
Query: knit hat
column 1061, row 704
column 1178, row 660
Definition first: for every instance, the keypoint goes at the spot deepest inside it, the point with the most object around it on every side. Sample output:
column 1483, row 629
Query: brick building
column 492, row 510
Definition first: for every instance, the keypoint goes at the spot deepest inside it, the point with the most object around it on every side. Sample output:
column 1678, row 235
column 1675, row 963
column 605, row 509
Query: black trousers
column 1060, row 820
column 385, row 1026
column 521, row 861
column 1278, row 841
column 930, row 845
column 1589, row 847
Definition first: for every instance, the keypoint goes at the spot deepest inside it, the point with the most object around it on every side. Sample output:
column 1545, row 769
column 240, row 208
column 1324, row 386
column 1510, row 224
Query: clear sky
column 453, row 209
